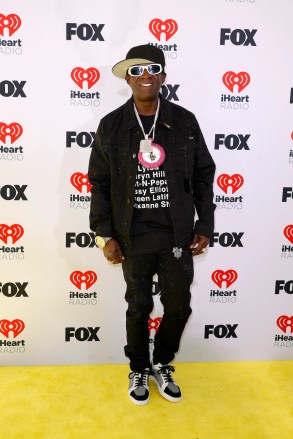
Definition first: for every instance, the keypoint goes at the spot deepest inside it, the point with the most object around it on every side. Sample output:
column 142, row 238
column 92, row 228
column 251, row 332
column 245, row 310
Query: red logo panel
column 15, row 232
column 91, row 75
column 288, row 232
column 225, row 180
column 16, row 326
column 220, row 276
column 14, row 130
column 154, row 323
column 157, row 27
column 88, row 277
column 284, row 322
column 78, row 180
column 11, row 21
column 241, row 79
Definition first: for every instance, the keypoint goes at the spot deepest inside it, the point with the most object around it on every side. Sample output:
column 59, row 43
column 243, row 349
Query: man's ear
column 127, row 78
column 163, row 77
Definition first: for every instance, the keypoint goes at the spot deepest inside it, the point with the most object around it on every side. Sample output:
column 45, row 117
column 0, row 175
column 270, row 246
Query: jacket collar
column 165, row 115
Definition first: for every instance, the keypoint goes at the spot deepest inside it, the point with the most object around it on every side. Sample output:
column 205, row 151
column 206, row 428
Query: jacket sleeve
column 100, row 178
column 204, row 172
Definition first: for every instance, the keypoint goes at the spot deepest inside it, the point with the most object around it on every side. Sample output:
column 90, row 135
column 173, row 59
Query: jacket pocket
column 115, row 149
column 183, row 157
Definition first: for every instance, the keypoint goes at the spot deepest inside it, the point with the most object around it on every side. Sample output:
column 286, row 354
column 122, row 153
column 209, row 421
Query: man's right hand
column 112, row 252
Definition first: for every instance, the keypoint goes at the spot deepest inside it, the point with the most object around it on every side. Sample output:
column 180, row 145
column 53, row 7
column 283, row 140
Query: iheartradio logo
column 15, row 232
column 12, row 22
column 158, row 28
column 15, row 326
column 88, row 278
column 288, row 232
column 14, row 130
column 285, row 322
column 79, row 180
column 90, row 75
column 235, row 181
column 220, row 276
column 241, row 79
column 154, row 324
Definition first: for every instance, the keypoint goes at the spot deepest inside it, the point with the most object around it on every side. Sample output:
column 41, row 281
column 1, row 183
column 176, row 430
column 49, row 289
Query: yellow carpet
column 246, row 400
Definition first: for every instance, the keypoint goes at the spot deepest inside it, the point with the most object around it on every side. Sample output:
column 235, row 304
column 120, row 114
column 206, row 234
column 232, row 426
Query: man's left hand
column 199, row 244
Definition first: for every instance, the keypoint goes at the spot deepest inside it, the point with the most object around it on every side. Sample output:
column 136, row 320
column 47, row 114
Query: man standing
column 150, row 171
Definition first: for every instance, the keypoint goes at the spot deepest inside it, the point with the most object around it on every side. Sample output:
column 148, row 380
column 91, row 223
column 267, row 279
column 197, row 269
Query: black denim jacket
column 188, row 165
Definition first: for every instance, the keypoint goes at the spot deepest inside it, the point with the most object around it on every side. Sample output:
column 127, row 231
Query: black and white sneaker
column 139, row 391
column 162, row 377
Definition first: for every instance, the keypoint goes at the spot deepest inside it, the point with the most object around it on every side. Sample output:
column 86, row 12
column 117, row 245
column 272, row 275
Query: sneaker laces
column 166, row 372
column 140, row 378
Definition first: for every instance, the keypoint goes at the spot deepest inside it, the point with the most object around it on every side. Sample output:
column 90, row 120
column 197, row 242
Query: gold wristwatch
column 101, row 241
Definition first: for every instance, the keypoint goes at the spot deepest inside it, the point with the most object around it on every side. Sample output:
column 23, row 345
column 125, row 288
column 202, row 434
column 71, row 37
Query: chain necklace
column 146, row 144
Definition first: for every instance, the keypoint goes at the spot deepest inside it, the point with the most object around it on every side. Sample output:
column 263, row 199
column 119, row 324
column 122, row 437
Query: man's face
column 147, row 86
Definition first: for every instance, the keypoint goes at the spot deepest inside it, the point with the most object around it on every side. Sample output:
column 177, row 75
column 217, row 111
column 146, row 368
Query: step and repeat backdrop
column 230, row 63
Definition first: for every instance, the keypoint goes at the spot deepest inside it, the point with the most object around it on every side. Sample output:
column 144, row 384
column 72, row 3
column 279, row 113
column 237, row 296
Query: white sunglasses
column 153, row 69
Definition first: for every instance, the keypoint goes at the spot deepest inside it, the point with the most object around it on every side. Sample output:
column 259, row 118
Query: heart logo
column 91, row 75
column 12, row 22
column 241, row 79
column 220, row 276
column 235, row 181
column 15, row 232
column 16, row 326
column 88, row 278
column 154, row 323
column 14, row 130
column 168, row 27
column 78, row 180
column 284, row 322
column 288, row 232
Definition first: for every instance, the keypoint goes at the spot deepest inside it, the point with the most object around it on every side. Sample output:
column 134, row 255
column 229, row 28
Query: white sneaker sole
column 136, row 402
column 164, row 395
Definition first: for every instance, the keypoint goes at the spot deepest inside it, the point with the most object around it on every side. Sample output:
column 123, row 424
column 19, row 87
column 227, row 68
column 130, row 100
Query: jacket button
column 134, row 155
column 128, row 200
column 130, row 177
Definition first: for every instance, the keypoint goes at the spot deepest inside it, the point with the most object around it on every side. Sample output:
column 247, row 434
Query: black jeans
column 174, row 278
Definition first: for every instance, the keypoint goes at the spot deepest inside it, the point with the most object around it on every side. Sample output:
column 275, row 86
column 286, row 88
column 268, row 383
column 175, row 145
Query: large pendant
column 152, row 159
